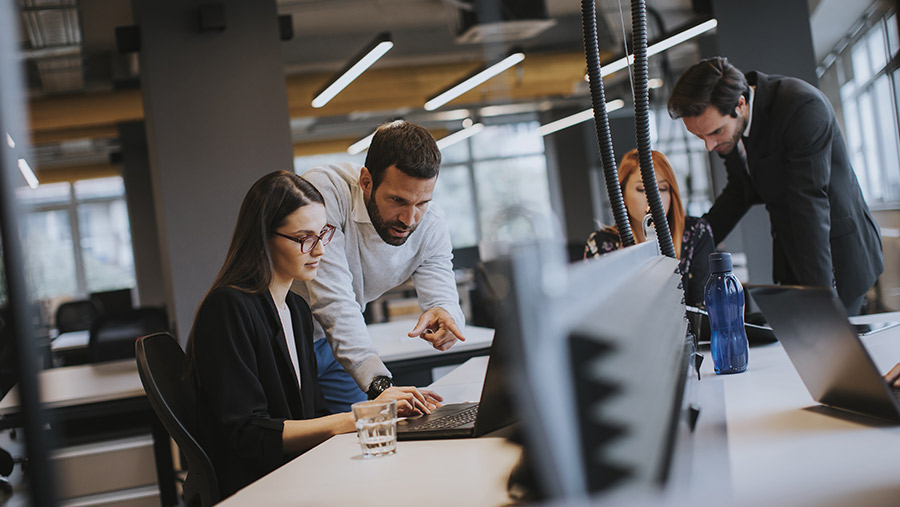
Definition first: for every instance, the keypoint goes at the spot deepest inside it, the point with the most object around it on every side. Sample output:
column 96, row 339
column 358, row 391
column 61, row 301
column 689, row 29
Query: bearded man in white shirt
column 388, row 231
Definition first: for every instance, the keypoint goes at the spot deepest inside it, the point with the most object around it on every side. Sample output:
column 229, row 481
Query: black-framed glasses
column 307, row 243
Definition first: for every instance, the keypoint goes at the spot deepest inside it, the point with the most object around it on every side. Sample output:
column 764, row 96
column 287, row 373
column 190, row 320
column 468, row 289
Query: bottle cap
column 720, row 262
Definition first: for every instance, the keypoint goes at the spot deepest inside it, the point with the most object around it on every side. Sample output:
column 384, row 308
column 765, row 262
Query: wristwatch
column 379, row 385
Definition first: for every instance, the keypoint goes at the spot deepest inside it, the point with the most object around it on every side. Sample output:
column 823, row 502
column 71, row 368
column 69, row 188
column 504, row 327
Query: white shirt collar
column 750, row 116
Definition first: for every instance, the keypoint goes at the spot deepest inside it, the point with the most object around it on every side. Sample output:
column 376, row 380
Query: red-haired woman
column 691, row 236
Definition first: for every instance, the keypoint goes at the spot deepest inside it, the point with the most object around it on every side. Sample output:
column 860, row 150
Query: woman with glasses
column 250, row 352
column 691, row 236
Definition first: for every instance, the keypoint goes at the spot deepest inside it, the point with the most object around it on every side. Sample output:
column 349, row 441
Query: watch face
column 381, row 384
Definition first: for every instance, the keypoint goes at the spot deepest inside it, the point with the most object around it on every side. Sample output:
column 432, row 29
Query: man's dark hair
column 408, row 146
column 711, row 82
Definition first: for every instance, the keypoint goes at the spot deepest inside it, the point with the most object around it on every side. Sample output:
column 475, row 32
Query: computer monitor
column 599, row 364
column 113, row 301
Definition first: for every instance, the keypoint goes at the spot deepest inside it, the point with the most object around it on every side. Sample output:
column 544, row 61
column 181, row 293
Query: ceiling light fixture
column 682, row 35
column 577, row 118
column 9, row 141
column 26, row 171
column 473, row 80
column 510, row 109
column 361, row 145
column 375, row 50
column 460, row 135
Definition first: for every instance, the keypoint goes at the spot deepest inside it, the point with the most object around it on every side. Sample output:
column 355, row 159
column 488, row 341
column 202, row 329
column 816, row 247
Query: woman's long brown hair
column 248, row 264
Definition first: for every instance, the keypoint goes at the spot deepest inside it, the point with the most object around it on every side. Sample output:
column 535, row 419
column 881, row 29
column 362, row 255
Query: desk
column 769, row 443
column 98, row 392
column 70, row 348
column 760, row 440
column 73, row 386
column 73, row 340
column 420, row 473
column 411, row 360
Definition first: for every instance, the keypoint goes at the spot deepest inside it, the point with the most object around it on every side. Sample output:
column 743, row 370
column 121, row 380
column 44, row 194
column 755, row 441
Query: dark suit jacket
column 799, row 168
column 246, row 384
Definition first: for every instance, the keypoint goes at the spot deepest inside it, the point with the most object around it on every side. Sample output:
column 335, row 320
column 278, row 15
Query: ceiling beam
column 40, row 137
column 76, row 172
column 540, row 76
column 338, row 145
column 85, row 110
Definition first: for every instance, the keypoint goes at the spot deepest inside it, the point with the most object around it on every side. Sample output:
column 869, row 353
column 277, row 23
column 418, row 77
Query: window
column 689, row 159
column 501, row 167
column 869, row 79
column 94, row 212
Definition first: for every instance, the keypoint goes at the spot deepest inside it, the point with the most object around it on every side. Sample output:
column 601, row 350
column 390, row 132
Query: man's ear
column 742, row 101
column 365, row 182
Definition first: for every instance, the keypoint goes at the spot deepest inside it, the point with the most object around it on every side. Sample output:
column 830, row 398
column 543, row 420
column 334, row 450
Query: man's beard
column 383, row 227
column 738, row 133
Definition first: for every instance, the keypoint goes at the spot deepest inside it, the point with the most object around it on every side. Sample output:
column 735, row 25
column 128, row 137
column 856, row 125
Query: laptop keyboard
column 451, row 421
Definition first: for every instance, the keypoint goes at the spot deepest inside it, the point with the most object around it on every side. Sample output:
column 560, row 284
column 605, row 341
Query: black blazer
column 799, row 168
column 246, row 384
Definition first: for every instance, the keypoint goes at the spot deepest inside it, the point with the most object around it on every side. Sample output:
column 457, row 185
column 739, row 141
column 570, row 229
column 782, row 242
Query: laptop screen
column 813, row 328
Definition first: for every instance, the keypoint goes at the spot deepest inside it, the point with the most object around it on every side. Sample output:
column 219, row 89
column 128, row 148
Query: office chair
column 160, row 363
column 113, row 334
column 75, row 316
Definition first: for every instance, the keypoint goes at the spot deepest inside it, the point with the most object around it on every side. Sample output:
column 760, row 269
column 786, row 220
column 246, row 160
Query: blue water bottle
column 724, row 299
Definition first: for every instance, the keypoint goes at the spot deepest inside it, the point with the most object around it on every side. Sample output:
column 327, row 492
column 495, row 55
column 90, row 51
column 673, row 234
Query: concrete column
column 142, row 215
column 217, row 119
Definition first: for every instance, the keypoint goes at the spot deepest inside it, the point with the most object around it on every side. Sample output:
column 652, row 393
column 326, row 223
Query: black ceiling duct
column 501, row 20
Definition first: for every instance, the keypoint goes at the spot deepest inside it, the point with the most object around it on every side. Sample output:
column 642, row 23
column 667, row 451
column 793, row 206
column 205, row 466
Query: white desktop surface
column 783, row 448
column 389, row 338
column 73, row 340
column 82, row 384
column 456, row 472
column 393, row 343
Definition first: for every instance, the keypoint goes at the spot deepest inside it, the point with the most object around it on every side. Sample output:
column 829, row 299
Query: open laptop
column 464, row 420
column 826, row 351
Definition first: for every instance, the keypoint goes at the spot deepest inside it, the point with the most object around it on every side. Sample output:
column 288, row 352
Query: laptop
column 826, row 351
column 466, row 420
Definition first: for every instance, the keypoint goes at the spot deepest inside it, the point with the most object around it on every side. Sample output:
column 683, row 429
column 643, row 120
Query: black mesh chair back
column 113, row 334
column 75, row 316
column 160, row 361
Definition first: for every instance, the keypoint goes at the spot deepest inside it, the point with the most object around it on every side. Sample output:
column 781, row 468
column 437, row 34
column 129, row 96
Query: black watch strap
column 379, row 385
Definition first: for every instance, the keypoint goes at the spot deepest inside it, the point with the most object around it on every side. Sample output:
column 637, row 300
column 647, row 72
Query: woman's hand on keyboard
column 412, row 401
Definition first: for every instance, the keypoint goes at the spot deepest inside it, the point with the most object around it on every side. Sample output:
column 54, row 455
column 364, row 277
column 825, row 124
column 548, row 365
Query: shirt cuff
column 367, row 370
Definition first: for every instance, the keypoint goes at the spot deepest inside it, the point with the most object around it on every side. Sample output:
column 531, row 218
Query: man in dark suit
column 783, row 148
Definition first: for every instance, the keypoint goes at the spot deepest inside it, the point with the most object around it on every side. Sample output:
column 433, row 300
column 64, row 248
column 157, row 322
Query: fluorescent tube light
column 505, row 109
column 26, row 171
column 472, row 81
column 459, row 135
column 9, row 141
column 375, row 50
column 577, row 118
column 658, row 47
column 361, row 145
column 680, row 37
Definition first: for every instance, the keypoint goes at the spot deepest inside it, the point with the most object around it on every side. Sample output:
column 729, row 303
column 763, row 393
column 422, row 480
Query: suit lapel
column 761, row 98
column 289, row 381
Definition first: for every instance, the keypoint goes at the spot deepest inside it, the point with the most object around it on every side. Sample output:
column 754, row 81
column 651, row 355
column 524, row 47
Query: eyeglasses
column 307, row 243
